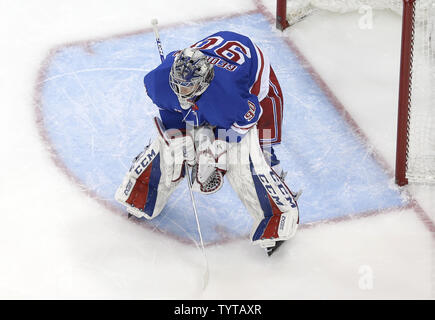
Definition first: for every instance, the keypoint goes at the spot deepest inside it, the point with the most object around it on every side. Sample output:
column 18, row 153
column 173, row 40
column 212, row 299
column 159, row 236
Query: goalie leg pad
column 276, row 224
column 264, row 194
column 144, row 193
column 147, row 186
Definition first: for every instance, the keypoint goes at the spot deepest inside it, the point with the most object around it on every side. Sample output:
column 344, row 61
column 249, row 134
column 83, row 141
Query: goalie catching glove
column 211, row 162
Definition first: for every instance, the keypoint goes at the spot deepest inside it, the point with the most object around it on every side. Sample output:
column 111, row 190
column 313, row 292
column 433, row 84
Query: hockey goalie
column 221, row 112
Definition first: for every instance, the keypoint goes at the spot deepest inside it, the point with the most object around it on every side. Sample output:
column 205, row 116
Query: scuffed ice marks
column 98, row 118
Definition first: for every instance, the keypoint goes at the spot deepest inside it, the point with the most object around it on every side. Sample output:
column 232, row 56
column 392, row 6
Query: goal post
column 281, row 15
column 415, row 144
column 404, row 91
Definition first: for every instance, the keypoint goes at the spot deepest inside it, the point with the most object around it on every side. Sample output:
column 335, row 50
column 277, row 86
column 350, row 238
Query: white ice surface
column 56, row 242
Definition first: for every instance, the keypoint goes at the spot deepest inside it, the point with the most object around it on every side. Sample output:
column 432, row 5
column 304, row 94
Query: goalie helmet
column 190, row 75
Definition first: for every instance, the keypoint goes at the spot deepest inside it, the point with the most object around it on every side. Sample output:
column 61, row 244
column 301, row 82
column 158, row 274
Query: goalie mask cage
column 415, row 145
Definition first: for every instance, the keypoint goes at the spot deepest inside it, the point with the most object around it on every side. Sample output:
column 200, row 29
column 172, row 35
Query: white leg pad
column 266, row 197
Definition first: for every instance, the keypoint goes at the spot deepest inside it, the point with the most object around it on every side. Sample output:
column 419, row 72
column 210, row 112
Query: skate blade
column 271, row 250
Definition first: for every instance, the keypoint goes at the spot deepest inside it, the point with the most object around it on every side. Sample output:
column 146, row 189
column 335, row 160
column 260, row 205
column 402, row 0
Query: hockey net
column 415, row 151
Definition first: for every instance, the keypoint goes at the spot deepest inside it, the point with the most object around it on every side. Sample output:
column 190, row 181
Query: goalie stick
column 154, row 23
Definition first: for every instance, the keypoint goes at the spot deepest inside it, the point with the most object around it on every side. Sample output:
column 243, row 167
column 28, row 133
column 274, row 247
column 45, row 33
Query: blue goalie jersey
column 231, row 102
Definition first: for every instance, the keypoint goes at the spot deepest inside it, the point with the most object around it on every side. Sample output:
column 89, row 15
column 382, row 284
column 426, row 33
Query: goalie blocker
column 158, row 170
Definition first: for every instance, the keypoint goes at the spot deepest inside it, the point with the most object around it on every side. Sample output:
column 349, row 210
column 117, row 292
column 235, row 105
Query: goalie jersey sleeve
column 231, row 102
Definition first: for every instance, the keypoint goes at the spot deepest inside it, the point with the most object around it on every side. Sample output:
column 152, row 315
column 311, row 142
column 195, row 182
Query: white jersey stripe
column 262, row 75
column 264, row 87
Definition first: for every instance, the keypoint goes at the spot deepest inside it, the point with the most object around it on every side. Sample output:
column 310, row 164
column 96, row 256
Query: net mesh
column 421, row 134
column 298, row 9
column 421, row 125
